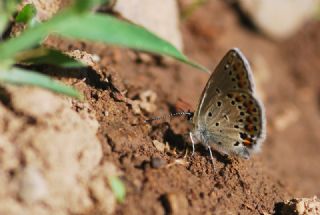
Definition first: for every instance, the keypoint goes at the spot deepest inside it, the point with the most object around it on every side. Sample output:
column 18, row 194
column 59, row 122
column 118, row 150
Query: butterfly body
column 229, row 116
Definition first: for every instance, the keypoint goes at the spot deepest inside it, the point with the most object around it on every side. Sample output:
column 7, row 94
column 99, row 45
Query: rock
column 301, row 206
column 33, row 186
column 159, row 145
column 146, row 102
column 157, row 162
column 84, row 57
column 38, row 108
column 176, row 203
column 279, row 19
column 48, row 154
column 160, row 17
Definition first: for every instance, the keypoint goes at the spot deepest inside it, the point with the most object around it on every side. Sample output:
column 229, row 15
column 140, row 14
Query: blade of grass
column 44, row 55
column 111, row 30
column 7, row 8
column 25, row 77
column 33, row 36
column 97, row 28
column 27, row 13
column 117, row 188
column 83, row 6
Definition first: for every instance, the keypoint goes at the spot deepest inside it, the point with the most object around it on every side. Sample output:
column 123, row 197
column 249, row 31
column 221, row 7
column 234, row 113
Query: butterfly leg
column 211, row 156
column 193, row 142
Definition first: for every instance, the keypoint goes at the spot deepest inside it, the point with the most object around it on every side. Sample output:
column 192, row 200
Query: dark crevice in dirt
column 244, row 20
column 86, row 74
column 165, row 204
column 5, row 99
column 175, row 140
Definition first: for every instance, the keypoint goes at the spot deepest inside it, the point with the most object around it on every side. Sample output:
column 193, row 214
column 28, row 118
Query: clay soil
column 287, row 76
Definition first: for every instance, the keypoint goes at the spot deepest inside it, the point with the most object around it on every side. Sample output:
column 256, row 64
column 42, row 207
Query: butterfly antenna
column 189, row 114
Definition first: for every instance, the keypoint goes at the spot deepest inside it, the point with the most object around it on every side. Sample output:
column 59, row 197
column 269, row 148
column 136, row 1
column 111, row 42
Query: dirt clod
column 301, row 206
column 157, row 162
column 175, row 203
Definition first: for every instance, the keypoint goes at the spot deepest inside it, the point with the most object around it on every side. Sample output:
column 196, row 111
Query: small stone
column 150, row 14
column 157, row 162
column 84, row 57
column 176, row 203
column 279, row 19
column 159, row 145
column 148, row 99
column 301, row 206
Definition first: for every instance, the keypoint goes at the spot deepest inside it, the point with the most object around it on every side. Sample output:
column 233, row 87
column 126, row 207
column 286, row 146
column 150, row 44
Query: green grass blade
column 82, row 6
column 33, row 36
column 94, row 27
column 7, row 8
column 44, row 55
column 27, row 13
column 111, row 30
column 117, row 188
column 25, row 77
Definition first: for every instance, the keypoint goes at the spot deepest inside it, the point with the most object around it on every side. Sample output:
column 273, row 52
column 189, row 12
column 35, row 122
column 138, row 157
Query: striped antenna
column 189, row 114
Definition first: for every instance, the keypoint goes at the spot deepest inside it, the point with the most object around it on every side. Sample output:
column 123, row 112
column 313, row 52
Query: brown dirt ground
column 287, row 77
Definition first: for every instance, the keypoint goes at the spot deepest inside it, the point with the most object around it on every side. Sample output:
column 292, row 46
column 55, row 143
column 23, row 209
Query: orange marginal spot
column 247, row 142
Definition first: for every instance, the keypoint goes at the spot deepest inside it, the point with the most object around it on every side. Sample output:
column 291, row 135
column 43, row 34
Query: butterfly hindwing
column 235, row 123
column 228, row 111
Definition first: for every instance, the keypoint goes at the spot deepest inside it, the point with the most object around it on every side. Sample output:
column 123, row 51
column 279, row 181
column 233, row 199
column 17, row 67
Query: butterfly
column 230, row 117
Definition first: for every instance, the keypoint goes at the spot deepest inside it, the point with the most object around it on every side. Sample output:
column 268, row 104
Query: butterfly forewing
column 228, row 109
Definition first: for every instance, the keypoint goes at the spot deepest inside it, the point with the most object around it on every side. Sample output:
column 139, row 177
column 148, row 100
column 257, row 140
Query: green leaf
column 97, row 28
column 25, row 77
column 103, row 28
column 111, row 30
column 44, row 55
column 33, row 36
column 7, row 8
column 117, row 188
column 85, row 5
column 27, row 13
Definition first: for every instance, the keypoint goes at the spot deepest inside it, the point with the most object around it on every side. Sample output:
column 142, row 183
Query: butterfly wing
column 229, row 115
